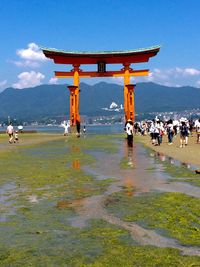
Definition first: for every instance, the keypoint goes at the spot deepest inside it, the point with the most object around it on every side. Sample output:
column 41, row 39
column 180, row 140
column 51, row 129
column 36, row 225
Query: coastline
column 189, row 154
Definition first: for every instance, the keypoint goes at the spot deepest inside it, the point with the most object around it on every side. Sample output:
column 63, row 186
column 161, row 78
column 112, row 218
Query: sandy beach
column 189, row 154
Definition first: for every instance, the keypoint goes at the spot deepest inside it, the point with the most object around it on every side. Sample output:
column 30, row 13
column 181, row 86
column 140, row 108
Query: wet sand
column 189, row 154
column 137, row 179
column 27, row 139
column 142, row 181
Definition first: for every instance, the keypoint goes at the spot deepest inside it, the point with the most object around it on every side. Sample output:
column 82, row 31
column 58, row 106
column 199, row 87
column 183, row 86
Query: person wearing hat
column 170, row 132
column 129, row 132
column 183, row 133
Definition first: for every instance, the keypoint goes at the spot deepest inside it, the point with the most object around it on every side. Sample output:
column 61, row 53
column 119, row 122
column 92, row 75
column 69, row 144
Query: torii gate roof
column 109, row 57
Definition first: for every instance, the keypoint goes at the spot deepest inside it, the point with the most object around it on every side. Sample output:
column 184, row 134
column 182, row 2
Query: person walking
column 197, row 126
column 152, row 130
column 188, row 131
column 78, row 128
column 10, row 131
column 129, row 131
column 183, row 133
column 170, row 132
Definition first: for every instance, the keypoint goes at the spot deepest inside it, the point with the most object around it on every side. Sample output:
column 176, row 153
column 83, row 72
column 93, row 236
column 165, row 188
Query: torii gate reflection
column 101, row 59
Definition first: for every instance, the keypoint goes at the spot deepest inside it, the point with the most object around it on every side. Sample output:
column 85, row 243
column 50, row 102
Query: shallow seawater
column 94, row 201
column 179, row 171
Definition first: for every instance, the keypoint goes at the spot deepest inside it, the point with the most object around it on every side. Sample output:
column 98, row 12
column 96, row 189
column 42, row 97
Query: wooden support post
column 77, row 91
column 73, row 104
column 130, row 102
column 126, row 82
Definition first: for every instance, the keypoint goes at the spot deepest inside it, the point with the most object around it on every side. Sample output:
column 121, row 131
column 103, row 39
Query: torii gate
column 101, row 59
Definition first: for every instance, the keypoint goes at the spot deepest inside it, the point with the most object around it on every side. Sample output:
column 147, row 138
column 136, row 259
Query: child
column 16, row 140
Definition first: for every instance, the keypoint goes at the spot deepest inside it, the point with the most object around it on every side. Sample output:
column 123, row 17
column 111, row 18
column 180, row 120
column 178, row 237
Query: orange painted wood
column 70, row 74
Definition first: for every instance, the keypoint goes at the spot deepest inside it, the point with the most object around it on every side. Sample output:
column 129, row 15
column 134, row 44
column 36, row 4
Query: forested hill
column 53, row 100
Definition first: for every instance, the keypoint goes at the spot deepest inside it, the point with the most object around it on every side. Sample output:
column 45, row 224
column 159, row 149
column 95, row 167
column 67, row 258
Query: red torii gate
column 76, row 59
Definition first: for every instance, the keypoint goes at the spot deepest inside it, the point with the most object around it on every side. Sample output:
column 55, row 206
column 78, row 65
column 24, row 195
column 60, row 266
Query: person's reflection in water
column 130, row 155
column 171, row 160
column 186, row 165
column 161, row 156
column 128, row 181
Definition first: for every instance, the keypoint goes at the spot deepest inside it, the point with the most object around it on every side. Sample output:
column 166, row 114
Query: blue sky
column 92, row 25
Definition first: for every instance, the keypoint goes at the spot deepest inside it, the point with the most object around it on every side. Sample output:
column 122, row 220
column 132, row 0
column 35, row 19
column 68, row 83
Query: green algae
column 51, row 170
column 176, row 215
column 181, row 174
column 106, row 143
column 47, row 164
column 40, row 233
column 126, row 164
column 98, row 244
column 177, row 173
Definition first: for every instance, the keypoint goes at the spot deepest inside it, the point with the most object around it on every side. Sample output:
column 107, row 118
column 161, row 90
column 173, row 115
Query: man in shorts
column 10, row 131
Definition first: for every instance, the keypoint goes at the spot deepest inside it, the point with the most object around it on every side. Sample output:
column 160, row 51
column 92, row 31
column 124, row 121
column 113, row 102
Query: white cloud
column 117, row 80
column 32, row 53
column 120, row 80
column 150, row 77
column 30, row 57
column 173, row 77
column 28, row 79
column 187, row 71
column 26, row 63
column 53, row 81
column 198, row 83
column 2, row 84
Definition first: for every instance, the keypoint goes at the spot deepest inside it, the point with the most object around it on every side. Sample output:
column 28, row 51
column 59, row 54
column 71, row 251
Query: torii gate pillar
column 74, row 104
column 129, row 105
column 130, row 102
column 74, row 97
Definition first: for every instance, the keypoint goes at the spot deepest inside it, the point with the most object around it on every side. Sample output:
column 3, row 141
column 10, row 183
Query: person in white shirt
column 152, row 130
column 10, row 131
column 129, row 131
column 197, row 126
column 66, row 127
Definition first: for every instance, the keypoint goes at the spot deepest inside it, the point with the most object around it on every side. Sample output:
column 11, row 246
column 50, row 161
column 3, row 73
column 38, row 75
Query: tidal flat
column 93, row 201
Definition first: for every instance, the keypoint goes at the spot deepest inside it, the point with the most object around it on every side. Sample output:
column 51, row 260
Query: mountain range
column 53, row 100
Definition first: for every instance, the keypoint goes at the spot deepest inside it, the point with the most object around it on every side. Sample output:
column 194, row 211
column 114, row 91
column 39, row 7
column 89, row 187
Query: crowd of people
column 157, row 129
